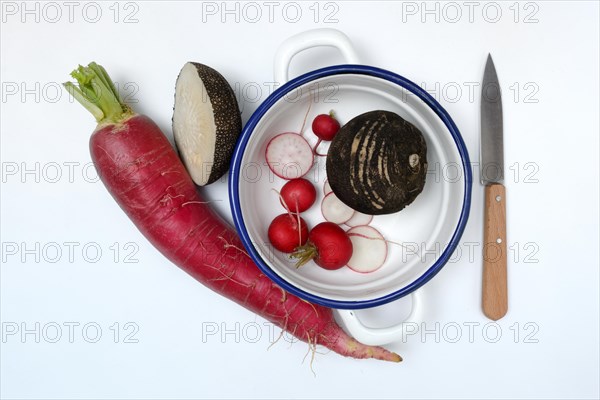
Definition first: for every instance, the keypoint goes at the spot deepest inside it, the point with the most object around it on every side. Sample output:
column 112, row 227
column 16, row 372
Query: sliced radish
column 334, row 210
column 289, row 155
column 326, row 188
column 369, row 249
column 359, row 218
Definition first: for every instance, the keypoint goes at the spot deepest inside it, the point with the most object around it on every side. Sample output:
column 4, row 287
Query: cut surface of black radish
column 206, row 122
column 377, row 163
column 289, row 155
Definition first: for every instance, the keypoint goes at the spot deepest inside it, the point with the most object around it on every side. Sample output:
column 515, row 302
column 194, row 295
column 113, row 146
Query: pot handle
column 305, row 40
column 379, row 336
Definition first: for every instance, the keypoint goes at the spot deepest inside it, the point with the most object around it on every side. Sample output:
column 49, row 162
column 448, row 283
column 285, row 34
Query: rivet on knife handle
column 495, row 293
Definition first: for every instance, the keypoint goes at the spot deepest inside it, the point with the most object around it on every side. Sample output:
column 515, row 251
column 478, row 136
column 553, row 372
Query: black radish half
column 206, row 122
column 377, row 163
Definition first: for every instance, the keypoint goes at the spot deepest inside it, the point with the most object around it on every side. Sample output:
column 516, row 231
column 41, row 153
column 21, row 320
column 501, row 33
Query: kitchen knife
column 491, row 163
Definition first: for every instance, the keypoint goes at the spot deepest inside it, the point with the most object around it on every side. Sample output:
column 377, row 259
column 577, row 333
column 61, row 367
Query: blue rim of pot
column 235, row 168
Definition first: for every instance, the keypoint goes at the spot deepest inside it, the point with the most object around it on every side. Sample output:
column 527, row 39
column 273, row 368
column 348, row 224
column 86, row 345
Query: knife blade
column 491, row 164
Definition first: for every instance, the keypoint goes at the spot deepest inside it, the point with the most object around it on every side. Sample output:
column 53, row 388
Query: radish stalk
column 306, row 116
column 97, row 93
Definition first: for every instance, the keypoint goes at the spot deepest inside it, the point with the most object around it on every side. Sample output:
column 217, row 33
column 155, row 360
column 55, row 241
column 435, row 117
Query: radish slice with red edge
column 289, row 155
column 326, row 188
column 358, row 219
column 334, row 210
column 369, row 249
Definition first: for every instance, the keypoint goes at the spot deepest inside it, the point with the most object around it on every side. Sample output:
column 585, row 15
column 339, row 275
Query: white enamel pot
column 422, row 237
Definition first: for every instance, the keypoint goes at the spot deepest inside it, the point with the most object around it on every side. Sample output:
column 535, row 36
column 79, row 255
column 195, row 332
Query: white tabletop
column 89, row 309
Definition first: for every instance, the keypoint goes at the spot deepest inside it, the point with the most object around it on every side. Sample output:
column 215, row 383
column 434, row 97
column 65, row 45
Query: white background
column 546, row 54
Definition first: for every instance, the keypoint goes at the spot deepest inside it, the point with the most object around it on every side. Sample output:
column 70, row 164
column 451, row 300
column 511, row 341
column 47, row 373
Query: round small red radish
column 284, row 234
column 325, row 126
column 328, row 245
column 298, row 195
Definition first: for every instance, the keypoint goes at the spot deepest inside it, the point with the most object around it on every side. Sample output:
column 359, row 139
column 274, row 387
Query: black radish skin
column 377, row 163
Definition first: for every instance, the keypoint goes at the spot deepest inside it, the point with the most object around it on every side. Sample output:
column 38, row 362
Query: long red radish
column 328, row 245
column 289, row 155
column 369, row 249
column 334, row 210
column 143, row 173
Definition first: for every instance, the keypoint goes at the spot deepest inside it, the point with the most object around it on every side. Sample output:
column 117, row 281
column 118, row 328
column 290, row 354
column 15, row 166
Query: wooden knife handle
column 495, row 294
